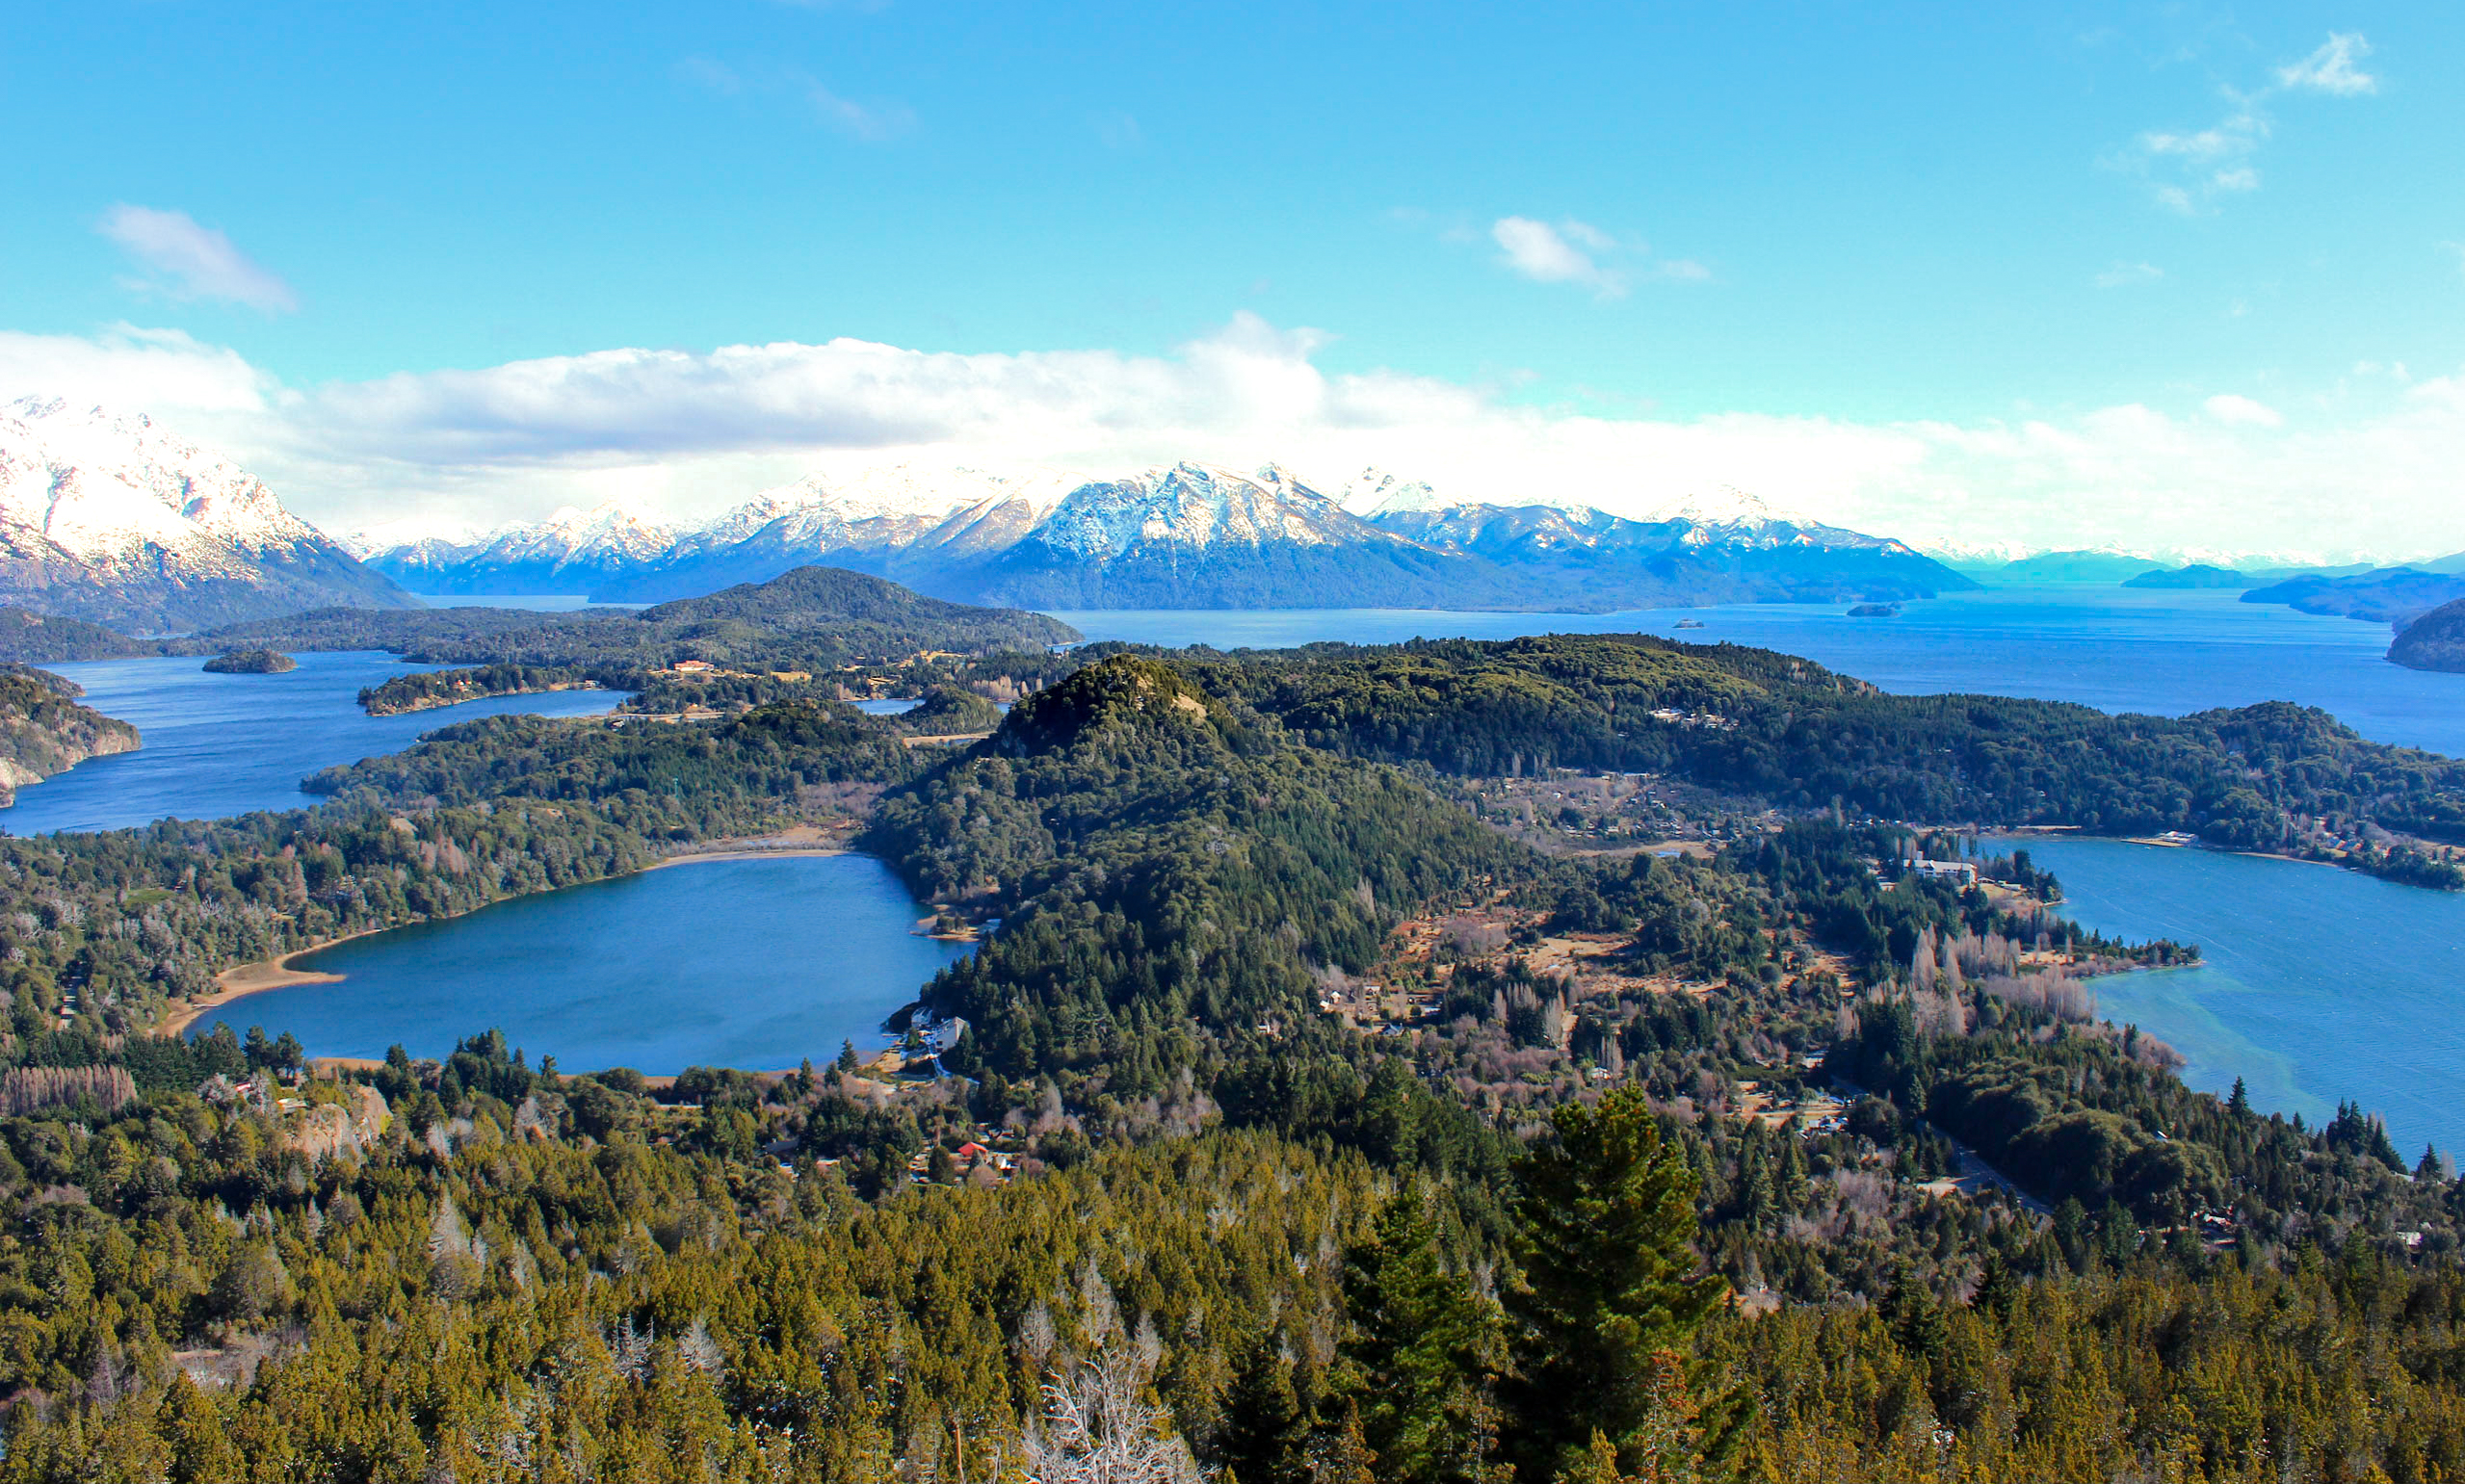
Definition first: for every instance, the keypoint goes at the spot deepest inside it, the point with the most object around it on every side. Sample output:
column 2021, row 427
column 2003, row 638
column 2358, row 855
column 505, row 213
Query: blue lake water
column 223, row 745
column 2115, row 648
column 2319, row 984
column 754, row 963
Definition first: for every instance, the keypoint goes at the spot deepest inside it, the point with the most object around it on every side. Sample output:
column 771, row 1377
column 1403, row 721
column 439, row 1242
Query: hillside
column 43, row 731
column 110, row 518
column 810, row 619
column 1279, row 1139
column 2195, row 575
column 823, row 598
column 2434, row 641
column 29, row 637
column 2271, row 776
column 2393, row 595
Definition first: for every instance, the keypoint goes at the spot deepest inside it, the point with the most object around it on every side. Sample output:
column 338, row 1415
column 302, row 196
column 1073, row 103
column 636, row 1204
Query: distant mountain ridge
column 110, row 518
column 1190, row 535
column 2392, row 595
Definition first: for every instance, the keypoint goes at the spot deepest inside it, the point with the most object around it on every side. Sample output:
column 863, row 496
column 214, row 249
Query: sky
column 2180, row 278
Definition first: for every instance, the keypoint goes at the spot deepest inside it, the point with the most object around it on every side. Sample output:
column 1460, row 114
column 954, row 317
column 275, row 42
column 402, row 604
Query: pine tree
column 1264, row 1433
column 1421, row 1352
column 1602, row 1228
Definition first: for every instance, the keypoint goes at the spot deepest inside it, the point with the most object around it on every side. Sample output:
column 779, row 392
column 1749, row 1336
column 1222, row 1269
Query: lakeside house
column 1942, row 870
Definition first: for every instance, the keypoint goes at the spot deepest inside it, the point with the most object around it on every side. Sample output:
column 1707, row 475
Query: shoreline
column 240, row 981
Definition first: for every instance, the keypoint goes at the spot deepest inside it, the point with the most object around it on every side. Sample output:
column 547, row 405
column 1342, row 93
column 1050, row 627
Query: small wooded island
column 251, row 662
column 1876, row 611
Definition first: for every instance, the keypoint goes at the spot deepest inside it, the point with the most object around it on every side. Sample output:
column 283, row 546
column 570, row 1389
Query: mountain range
column 108, row 517
column 1186, row 535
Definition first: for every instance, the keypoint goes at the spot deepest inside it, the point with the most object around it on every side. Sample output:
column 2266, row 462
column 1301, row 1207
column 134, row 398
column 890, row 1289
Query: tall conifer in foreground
column 1607, row 1282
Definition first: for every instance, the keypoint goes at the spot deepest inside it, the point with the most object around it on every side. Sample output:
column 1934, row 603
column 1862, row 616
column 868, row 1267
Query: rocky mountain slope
column 109, row 517
column 1197, row 535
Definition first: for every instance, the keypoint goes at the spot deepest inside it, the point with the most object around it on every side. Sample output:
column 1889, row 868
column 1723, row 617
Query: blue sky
column 2243, row 221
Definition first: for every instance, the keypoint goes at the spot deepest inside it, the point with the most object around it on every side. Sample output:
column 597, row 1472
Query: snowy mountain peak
column 115, row 518
column 1730, row 505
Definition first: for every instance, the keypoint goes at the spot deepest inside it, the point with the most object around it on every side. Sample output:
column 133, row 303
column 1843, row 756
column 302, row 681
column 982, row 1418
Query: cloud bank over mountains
column 2373, row 476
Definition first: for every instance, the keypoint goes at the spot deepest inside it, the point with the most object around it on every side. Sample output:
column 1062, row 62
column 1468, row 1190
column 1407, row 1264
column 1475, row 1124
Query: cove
column 751, row 962
column 2317, row 984
column 218, row 745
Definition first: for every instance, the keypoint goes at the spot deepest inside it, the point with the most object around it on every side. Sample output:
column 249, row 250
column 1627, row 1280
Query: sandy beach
column 242, row 980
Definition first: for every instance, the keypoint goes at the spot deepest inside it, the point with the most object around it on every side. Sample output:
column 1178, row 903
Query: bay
column 2118, row 649
column 737, row 962
column 217, row 745
column 2317, row 984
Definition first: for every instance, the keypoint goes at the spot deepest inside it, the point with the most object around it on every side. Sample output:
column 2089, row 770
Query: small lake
column 217, row 745
column 752, row 963
column 2114, row 649
column 2317, row 985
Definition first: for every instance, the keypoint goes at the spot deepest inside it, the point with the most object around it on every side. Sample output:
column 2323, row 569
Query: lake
column 217, row 745
column 2319, row 984
column 2114, row 649
column 752, row 963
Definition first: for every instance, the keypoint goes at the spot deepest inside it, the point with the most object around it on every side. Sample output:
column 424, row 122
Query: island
column 2195, row 575
column 251, row 662
column 1876, row 611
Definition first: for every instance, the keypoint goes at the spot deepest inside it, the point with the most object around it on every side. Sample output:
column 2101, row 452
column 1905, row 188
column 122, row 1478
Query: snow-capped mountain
column 1200, row 535
column 108, row 517
column 572, row 551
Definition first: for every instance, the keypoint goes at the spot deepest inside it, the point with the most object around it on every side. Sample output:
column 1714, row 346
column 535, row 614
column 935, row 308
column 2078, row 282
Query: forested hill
column 29, row 637
column 813, row 618
column 812, row 598
column 43, row 730
column 2269, row 776
column 1170, row 876
column 2434, row 641
column 1547, row 1220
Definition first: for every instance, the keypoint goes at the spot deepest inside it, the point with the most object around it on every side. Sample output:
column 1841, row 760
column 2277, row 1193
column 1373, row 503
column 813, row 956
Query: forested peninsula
column 44, row 729
column 1304, row 1124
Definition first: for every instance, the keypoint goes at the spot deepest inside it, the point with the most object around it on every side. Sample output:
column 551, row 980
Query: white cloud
column 2331, row 68
column 1578, row 252
column 2186, row 171
column 2125, row 275
column 869, row 122
column 195, row 261
column 1544, row 254
column 693, row 432
column 130, row 367
column 2236, row 411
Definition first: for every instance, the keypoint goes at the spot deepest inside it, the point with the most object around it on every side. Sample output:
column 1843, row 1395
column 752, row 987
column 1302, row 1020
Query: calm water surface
column 2115, row 648
column 740, row 963
column 2317, row 985
column 223, row 745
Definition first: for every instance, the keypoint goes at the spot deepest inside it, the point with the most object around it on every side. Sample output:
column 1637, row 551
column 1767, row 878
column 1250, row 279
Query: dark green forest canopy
column 1299, row 1243
column 1791, row 732
column 1165, row 869
column 810, row 618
